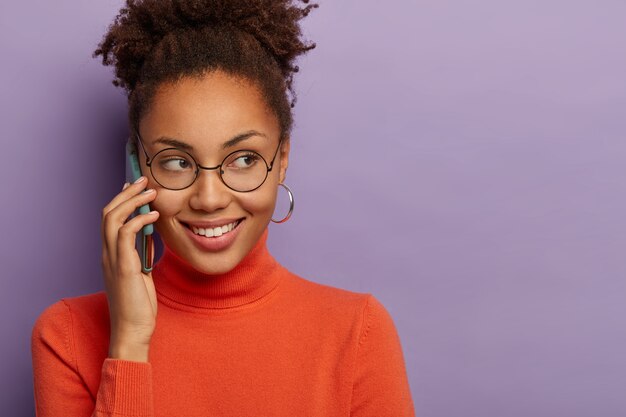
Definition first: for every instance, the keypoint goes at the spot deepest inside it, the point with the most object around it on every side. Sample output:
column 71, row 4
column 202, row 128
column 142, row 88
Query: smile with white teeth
column 216, row 231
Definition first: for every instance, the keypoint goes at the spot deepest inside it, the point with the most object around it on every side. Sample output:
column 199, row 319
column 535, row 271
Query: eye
column 244, row 161
column 175, row 164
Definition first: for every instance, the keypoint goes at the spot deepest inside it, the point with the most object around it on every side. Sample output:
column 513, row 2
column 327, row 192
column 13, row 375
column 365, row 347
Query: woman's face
column 206, row 113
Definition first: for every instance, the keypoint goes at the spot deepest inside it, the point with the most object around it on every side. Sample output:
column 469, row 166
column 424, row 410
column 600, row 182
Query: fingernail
column 126, row 184
column 139, row 180
column 148, row 191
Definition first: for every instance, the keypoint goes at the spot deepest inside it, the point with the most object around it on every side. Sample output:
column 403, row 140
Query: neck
column 187, row 288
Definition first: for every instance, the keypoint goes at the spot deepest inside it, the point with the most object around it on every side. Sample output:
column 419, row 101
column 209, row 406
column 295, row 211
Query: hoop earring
column 283, row 220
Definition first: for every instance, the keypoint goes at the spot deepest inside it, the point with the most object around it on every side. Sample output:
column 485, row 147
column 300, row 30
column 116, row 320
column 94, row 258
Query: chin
column 217, row 264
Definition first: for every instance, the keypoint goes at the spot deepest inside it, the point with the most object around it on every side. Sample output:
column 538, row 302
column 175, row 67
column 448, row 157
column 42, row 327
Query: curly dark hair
column 156, row 41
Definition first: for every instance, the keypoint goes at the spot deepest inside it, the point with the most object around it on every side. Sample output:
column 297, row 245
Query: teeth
column 216, row 231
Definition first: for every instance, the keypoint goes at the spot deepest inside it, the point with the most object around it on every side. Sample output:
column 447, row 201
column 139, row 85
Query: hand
column 130, row 292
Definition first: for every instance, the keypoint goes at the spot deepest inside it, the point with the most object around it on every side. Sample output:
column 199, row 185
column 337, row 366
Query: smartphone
column 145, row 242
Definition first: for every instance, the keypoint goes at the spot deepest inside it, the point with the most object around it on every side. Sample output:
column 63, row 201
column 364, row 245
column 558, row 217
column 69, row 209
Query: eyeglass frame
column 149, row 161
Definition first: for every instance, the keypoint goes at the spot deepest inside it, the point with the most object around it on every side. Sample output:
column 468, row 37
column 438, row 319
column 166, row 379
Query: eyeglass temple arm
column 148, row 162
column 274, row 157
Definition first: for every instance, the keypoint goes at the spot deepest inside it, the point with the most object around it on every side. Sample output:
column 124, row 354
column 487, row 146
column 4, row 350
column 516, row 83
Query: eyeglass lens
column 240, row 171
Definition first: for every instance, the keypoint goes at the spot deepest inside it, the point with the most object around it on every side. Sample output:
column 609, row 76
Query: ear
column 284, row 158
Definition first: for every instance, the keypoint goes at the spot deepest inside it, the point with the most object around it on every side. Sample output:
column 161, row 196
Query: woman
column 218, row 327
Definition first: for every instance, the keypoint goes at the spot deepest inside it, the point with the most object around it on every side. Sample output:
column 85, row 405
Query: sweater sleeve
column 60, row 390
column 381, row 385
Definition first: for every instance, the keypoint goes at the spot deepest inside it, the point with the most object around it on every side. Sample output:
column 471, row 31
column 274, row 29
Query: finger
column 123, row 210
column 137, row 186
column 117, row 217
column 105, row 263
column 127, row 256
column 125, row 194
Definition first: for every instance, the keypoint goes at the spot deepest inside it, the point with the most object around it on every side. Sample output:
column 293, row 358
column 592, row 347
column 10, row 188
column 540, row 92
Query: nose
column 209, row 192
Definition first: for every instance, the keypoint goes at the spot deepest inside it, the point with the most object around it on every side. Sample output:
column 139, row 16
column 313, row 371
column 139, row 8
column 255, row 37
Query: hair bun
column 142, row 24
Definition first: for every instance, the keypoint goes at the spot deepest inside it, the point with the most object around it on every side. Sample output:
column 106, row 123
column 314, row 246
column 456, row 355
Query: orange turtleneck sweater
column 257, row 341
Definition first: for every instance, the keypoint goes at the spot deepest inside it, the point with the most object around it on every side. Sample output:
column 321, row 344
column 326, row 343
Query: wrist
column 138, row 352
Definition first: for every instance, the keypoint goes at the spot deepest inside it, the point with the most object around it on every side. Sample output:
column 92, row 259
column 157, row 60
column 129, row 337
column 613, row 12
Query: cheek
column 260, row 202
column 167, row 203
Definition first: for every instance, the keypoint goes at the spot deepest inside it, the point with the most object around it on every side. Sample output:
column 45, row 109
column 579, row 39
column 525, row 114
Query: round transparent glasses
column 241, row 170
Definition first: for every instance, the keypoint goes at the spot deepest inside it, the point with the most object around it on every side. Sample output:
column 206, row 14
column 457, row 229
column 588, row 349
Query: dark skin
column 203, row 112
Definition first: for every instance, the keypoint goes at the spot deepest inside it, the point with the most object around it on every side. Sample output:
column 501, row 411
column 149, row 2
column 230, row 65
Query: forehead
column 208, row 110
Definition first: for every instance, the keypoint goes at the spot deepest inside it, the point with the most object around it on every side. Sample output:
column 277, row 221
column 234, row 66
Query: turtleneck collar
column 189, row 289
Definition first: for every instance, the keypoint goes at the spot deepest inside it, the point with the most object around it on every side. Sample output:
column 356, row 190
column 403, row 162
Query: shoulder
column 361, row 309
column 84, row 306
column 68, row 316
column 325, row 295
column 72, row 333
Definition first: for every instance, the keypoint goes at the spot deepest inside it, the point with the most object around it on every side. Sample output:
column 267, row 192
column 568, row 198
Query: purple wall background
column 462, row 161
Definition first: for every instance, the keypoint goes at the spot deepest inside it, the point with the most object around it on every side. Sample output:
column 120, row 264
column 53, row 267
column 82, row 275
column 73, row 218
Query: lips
column 215, row 231
column 214, row 243
column 211, row 224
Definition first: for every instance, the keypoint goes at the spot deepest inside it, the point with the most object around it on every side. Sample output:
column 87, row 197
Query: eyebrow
column 229, row 143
